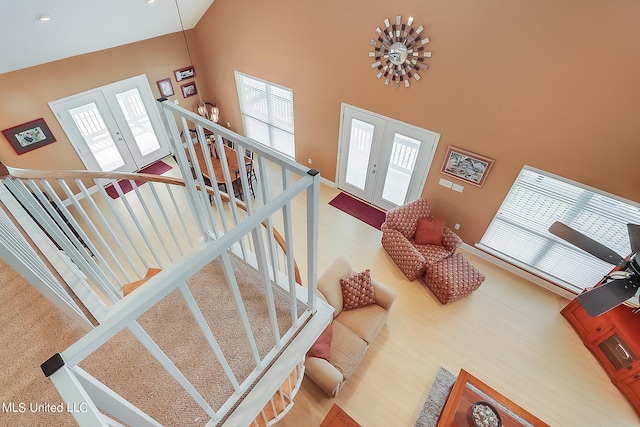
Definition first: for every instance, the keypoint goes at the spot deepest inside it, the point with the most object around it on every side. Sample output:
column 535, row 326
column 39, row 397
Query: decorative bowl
column 483, row 414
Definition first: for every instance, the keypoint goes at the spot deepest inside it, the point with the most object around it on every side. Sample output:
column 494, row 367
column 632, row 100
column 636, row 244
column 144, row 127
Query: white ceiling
column 83, row 26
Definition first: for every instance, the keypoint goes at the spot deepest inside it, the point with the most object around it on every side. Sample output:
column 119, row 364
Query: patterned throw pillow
column 357, row 290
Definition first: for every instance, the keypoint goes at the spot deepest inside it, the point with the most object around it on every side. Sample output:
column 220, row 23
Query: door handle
column 621, row 350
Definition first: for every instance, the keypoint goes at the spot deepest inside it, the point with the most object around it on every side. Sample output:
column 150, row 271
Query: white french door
column 115, row 127
column 383, row 161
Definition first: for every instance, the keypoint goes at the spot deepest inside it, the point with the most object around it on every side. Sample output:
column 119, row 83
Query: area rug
column 436, row 399
column 359, row 209
column 157, row 168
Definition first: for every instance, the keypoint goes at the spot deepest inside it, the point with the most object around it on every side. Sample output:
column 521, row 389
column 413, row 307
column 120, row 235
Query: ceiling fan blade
column 634, row 237
column 585, row 243
column 607, row 296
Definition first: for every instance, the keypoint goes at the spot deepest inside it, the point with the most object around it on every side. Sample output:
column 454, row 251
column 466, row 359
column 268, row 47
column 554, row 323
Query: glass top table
column 468, row 390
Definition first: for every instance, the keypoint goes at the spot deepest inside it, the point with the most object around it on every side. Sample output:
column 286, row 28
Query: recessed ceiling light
column 150, row 1
column 44, row 18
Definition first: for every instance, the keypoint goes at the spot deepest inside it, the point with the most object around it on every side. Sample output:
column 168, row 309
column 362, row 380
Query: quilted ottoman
column 453, row 278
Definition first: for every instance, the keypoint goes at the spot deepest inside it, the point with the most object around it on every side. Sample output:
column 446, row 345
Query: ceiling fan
column 618, row 286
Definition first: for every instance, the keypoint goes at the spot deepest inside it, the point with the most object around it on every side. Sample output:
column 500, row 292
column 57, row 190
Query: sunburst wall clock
column 399, row 52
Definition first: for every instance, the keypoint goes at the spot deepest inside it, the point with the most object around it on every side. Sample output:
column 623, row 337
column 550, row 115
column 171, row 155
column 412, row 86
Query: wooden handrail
column 7, row 171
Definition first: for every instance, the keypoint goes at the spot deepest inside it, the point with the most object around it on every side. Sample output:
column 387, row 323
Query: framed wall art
column 189, row 89
column 184, row 73
column 29, row 136
column 467, row 166
column 165, row 87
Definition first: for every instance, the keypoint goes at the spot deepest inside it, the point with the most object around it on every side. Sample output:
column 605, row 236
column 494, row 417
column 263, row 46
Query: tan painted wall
column 555, row 85
column 25, row 94
column 551, row 84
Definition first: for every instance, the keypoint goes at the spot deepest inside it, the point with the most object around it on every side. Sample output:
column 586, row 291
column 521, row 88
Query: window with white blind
column 519, row 231
column 267, row 113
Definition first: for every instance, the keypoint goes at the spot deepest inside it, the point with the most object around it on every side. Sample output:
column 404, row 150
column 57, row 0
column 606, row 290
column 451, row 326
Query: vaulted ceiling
column 82, row 26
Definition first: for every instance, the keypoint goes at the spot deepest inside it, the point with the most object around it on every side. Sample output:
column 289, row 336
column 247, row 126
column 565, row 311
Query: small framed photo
column 165, row 87
column 184, row 73
column 29, row 136
column 189, row 89
column 467, row 166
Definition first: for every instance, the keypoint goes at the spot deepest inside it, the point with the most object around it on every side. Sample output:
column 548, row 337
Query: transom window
column 267, row 113
column 519, row 231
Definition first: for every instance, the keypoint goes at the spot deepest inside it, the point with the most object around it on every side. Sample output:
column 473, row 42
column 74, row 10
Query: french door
column 383, row 161
column 115, row 127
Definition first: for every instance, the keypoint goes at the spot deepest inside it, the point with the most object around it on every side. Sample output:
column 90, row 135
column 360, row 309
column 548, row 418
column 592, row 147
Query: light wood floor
column 509, row 333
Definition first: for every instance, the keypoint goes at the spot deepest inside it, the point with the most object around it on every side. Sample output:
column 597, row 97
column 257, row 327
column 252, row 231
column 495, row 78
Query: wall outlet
column 229, row 125
column 309, row 160
column 457, row 226
column 175, row 101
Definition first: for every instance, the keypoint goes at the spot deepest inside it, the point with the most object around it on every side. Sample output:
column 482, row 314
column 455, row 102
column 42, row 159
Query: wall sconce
column 209, row 111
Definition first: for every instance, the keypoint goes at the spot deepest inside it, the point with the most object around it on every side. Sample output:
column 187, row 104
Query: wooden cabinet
column 615, row 355
column 614, row 339
column 588, row 328
column 630, row 387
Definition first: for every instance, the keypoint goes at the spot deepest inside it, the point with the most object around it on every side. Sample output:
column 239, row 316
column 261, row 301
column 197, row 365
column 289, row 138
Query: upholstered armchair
column 399, row 239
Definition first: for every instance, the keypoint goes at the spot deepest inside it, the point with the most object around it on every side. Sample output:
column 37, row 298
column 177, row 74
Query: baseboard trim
column 519, row 272
column 325, row 181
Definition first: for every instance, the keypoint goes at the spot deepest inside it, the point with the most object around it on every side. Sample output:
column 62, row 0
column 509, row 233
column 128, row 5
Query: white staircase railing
column 177, row 227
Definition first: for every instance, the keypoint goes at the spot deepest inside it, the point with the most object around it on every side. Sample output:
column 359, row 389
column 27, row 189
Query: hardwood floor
column 509, row 334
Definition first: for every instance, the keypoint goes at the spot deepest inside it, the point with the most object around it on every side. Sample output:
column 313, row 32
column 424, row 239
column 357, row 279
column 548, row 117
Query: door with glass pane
column 115, row 127
column 383, row 161
column 360, row 146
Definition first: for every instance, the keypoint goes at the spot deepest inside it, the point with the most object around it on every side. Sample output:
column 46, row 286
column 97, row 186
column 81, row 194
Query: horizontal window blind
column 519, row 231
column 267, row 113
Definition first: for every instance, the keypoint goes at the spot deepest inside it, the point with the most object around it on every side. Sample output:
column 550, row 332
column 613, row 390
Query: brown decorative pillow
column 322, row 347
column 357, row 290
column 429, row 231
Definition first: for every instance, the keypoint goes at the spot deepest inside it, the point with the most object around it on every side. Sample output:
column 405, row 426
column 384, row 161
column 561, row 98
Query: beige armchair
column 398, row 239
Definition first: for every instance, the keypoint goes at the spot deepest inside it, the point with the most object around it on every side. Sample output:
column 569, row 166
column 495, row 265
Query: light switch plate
column 457, row 187
column 445, row 183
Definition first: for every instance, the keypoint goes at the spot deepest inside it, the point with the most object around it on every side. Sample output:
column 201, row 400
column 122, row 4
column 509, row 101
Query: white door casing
column 116, row 127
column 381, row 160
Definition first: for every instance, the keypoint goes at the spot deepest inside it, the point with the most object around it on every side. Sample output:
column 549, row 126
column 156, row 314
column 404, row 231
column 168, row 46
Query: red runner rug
column 157, row 168
column 359, row 209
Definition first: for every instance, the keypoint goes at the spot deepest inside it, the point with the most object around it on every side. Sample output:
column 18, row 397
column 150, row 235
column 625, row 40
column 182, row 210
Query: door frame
column 142, row 84
column 63, row 106
column 425, row 158
column 341, row 183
